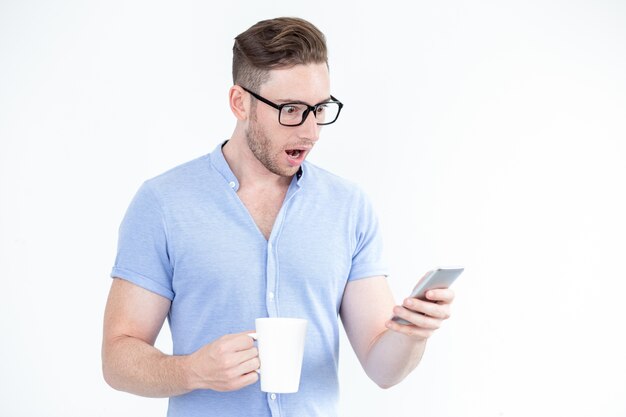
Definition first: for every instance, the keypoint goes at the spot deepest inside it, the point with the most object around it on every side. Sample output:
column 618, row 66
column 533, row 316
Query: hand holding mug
column 227, row 364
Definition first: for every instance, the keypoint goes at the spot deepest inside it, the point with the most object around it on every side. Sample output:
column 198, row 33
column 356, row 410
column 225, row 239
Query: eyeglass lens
column 292, row 114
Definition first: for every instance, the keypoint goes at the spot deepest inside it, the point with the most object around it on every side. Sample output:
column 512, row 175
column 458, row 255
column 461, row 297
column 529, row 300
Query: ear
column 239, row 102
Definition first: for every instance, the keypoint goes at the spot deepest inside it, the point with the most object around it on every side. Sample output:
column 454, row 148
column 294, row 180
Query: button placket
column 272, row 281
column 272, row 308
column 273, row 402
column 272, row 278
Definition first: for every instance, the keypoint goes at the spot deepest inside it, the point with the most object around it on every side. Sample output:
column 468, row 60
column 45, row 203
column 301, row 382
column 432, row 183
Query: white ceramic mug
column 281, row 348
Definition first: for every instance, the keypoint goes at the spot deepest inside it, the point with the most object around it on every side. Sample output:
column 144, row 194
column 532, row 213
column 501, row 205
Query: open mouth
column 294, row 153
column 295, row 156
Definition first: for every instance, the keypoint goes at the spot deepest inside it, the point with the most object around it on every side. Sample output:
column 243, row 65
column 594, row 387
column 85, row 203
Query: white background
column 488, row 134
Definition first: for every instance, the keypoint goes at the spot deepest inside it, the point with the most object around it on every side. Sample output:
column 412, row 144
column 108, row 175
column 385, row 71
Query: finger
column 417, row 319
column 248, row 379
column 438, row 311
column 248, row 366
column 245, row 355
column 239, row 341
column 443, row 295
column 411, row 331
column 240, row 381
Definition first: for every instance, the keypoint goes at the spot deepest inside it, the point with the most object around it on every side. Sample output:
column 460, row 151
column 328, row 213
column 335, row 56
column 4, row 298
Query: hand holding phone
column 435, row 279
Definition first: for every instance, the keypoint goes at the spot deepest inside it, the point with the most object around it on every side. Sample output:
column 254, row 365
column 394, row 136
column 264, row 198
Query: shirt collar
column 219, row 163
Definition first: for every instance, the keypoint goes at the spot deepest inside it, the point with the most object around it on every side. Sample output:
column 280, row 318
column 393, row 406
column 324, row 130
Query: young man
column 253, row 230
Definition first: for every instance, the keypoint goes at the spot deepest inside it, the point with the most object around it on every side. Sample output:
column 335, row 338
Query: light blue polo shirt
column 187, row 237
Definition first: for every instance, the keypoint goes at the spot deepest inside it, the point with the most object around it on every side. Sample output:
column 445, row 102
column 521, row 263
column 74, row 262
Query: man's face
column 282, row 149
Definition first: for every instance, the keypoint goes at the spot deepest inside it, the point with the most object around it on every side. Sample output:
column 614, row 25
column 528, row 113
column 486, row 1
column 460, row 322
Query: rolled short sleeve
column 142, row 255
column 367, row 259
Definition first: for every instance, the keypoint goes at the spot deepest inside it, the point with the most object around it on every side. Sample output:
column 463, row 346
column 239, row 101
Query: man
column 253, row 230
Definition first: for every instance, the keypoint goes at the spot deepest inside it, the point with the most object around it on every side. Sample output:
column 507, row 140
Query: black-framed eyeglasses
column 294, row 114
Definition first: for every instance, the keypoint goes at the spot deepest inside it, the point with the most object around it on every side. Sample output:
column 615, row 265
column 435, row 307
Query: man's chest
column 220, row 242
column 263, row 208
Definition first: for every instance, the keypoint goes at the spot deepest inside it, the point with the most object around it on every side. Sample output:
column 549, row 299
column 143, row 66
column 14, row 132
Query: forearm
column 392, row 357
column 132, row 365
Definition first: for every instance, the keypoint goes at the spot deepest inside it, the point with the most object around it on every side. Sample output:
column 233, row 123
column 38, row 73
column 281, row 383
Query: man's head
column 280, row 62
column 277, row 43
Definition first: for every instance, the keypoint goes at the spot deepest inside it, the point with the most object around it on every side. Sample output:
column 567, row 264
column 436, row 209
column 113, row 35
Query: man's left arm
column 389, row 351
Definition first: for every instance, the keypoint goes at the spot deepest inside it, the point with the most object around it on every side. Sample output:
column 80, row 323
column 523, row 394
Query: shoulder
column 184, row 172
column 186, row 176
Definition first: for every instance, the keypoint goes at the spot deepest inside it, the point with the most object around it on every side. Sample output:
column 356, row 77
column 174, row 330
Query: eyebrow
column 293, row 100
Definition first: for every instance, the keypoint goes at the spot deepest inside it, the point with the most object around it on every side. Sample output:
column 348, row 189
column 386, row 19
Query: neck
column 250, row 172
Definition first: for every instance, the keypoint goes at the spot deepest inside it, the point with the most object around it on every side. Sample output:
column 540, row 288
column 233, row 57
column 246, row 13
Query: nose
column 310, row 129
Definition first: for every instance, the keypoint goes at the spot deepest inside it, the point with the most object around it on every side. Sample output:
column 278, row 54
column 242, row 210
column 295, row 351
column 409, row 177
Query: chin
column 288, row 172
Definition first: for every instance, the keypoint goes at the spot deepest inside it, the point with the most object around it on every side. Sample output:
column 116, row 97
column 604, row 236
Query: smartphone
column 435, row 279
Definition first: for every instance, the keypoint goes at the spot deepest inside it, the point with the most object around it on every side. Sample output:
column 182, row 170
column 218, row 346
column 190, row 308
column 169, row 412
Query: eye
column 290, row 109
column 321, row 108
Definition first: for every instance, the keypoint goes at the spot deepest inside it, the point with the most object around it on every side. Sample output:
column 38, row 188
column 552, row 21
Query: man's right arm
column 130, row 362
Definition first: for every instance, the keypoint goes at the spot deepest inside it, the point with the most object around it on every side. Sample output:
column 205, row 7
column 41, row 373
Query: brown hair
column 276, row 43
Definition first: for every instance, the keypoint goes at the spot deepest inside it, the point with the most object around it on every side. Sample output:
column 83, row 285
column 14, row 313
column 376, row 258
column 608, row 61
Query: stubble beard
column 261, row 147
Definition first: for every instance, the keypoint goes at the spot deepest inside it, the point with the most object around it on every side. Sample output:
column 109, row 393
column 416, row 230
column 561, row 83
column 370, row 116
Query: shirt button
column 271, row 295
column 232, row 184
column 269, row 245
column 273, row 396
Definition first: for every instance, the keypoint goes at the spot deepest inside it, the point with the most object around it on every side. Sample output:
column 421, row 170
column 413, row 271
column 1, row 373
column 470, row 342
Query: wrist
column 189, row 377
